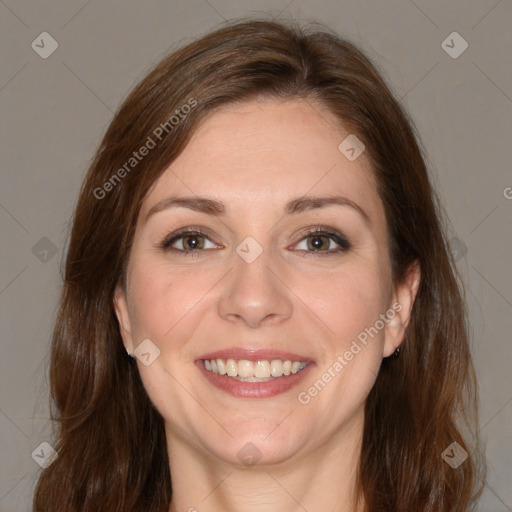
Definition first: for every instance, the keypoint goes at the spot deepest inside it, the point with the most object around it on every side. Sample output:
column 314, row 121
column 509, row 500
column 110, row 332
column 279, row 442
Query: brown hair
column 110, row 439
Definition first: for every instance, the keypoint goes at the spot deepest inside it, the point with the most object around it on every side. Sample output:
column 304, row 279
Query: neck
column 323, row 478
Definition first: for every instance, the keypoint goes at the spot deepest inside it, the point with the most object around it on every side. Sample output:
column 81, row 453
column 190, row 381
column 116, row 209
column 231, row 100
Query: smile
column 254, row 371
column 254, row 379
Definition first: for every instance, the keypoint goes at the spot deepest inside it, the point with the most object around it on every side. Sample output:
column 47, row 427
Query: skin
column 255, row 157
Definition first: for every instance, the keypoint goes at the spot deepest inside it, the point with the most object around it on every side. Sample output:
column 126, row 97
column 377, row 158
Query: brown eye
column 323, row 242
column 318, row 242
column 192, row 242
column 187, row 241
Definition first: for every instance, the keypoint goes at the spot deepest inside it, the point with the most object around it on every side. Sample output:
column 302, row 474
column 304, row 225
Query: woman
column 259, row 309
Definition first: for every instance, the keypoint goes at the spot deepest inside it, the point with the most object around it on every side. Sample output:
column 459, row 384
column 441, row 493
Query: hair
column 110, row 438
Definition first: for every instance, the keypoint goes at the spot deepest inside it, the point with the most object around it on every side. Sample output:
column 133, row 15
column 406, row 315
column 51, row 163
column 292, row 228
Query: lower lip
column 243, row 389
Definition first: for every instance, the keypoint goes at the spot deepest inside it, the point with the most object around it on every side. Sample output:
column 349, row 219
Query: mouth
column 254, row 374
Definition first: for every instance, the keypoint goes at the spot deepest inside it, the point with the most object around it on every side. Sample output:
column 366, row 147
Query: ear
column 123, row 318
column 402, row 302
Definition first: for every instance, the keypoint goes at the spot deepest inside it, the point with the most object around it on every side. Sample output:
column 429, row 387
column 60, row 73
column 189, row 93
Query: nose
column 255, row 294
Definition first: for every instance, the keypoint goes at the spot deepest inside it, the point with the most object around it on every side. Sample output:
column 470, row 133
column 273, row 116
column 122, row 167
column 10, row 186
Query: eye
column 321, row 240
column 318, row 241
column 187, row 241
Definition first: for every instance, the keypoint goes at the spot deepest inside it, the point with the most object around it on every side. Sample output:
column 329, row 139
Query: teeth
column 259, row 371
column 295, row 367
column 262, row 369
column 276, row 368
column 245, row 369
column 231, row 368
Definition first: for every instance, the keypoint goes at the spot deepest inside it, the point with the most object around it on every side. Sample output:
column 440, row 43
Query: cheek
column 348, row 302
column 349, row 306
column 161, row 298
column 359, row 300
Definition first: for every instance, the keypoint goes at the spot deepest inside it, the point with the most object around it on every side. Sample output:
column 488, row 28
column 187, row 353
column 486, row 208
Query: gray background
column 55, row 111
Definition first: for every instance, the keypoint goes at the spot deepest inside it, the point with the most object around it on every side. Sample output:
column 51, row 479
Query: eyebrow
column 213, row 207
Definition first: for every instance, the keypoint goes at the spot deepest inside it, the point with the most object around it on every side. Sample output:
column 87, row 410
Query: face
column 265, row 273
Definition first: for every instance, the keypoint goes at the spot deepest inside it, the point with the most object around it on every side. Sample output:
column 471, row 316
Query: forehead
column 267, row 151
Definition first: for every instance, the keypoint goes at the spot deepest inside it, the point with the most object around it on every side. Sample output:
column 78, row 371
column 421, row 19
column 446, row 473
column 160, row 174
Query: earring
column 396, row 353
column 131, row 359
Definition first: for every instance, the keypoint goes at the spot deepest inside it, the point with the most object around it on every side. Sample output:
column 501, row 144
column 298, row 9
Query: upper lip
column 255, row 355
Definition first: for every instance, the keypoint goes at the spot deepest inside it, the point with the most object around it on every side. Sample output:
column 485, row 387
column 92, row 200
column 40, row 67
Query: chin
column 259, row 443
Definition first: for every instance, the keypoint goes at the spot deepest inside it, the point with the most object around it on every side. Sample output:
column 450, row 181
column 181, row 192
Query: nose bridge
column 254, row 294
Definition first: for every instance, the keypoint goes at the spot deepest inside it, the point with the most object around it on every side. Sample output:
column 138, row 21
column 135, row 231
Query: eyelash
column 338, row 238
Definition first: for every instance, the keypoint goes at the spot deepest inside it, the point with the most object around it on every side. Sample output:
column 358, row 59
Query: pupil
column 192, row 241
column 317, row 242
